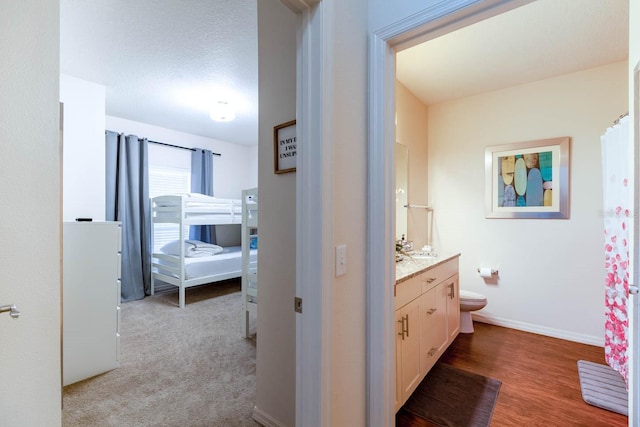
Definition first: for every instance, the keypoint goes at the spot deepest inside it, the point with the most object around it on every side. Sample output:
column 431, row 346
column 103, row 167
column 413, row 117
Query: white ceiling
column 162, row 62
column 536, row 41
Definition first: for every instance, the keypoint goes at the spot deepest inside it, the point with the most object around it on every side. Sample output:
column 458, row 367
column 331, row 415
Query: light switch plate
column 341, row 260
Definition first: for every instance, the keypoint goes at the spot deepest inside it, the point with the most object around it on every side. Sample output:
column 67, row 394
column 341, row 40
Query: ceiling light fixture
column 222, row 111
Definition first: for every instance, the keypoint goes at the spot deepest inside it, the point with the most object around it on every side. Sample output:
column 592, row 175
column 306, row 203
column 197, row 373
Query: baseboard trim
column 540, row 330
column 264, row 419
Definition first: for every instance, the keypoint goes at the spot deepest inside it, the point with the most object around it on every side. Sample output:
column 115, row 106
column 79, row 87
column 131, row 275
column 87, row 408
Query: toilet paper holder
column 494, row 271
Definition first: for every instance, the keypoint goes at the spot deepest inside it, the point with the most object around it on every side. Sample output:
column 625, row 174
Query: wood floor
column 540, row 384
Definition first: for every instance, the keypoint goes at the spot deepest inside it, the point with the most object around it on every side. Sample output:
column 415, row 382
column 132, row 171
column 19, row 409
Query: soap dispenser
column 407, row 246
column 400, row 244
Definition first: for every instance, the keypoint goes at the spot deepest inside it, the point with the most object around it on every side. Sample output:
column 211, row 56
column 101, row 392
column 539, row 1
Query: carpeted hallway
column 178, row 367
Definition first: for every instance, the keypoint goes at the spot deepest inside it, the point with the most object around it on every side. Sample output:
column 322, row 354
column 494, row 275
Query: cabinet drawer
column 434, row 334
column 448, row 269
column 407, row 291
column 437, row 274
column 117, row 349
column 118, row 292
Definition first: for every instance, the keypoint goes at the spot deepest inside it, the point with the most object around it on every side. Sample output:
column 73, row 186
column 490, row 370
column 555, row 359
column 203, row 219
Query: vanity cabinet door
column 433, row 313
column 453, row 307
column 408, row 331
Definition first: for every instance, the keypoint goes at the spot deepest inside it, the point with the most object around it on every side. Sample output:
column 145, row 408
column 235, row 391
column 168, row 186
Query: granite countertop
column 411, row 267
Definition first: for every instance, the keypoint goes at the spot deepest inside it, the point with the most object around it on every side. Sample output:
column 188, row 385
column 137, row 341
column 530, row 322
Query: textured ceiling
column 536, row 41
column 163, row 62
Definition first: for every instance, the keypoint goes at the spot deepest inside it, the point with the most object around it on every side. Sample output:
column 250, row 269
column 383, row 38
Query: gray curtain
column 202, row 182
column 127, row 193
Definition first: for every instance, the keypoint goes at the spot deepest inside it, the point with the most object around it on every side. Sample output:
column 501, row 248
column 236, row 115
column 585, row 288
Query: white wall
column 348, row 136
column 346, row 93
column 551, row 271
column 275, row 346
column 276, row 351
column 31, row 222
column 83, row 148
column 384, row 12
column 388, row 12
column 234, row 171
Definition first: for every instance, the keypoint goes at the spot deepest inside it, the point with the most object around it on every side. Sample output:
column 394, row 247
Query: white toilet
column 469, row 301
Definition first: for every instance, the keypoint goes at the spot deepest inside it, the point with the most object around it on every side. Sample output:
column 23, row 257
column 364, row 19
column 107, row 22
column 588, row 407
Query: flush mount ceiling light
column 222, row 111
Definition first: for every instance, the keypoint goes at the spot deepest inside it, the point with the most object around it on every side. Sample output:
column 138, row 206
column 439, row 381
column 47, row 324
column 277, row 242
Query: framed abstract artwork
column 528, row 179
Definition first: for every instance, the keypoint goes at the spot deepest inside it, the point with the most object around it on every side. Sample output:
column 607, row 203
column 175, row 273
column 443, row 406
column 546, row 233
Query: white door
column 30, row 392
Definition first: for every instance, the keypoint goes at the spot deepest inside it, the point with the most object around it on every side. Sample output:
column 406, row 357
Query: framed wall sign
column 285, row 147
column 528, row 179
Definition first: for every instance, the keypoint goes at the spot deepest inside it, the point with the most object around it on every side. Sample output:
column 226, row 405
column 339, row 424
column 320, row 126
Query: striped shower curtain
column 617, row 213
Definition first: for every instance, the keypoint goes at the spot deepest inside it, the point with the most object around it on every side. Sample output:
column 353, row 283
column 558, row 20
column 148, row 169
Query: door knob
column 11, row 309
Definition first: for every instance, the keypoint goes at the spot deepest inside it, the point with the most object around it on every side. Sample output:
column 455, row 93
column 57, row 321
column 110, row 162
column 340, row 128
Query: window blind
column 167, row 180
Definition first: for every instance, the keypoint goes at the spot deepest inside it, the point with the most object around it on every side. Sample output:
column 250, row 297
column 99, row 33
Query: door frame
column 313, row 215
column 439, row 19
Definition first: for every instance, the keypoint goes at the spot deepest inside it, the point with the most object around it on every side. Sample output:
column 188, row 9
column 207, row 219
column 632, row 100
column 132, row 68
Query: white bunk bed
column 249, row 263
column 194, row 263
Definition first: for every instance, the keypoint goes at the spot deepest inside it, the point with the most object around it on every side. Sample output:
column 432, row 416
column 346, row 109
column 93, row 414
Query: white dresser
column 90, row 298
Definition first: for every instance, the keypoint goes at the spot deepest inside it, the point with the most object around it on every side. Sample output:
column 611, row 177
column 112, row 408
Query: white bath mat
column 603, row 387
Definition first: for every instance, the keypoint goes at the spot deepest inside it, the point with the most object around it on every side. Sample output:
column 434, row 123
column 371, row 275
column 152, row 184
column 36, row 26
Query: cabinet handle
column 432, row 310
column 404, row 330
column 407, row 316
column 430, row 279
column 432, row 351
column 452, row 294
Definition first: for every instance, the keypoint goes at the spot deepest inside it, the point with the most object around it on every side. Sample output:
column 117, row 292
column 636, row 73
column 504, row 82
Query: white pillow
column 192, row 248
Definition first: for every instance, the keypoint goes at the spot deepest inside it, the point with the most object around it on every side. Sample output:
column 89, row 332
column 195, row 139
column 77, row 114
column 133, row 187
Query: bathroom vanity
column 427, row 314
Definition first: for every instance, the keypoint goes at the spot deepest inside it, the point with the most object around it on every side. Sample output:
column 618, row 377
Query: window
column 167, row 180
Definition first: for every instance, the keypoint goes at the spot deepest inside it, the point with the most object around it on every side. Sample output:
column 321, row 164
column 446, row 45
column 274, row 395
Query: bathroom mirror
column 401, row 153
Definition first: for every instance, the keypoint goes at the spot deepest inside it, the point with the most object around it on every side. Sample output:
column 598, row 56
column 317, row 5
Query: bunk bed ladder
column 249, row 267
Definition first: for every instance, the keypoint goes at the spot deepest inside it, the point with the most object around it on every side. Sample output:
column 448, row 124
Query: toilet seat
column 472, row 297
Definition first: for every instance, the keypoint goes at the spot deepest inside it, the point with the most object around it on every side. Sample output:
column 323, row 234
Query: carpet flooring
column 178, row 367
column 451, row 397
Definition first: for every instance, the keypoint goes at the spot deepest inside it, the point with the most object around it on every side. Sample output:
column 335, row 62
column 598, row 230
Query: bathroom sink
column 430, row 255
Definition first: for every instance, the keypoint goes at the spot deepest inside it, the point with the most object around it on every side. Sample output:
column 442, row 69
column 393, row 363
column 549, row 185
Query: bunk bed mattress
column 227, row 261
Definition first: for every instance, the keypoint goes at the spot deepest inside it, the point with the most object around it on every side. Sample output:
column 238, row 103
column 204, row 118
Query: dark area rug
column 451, row 397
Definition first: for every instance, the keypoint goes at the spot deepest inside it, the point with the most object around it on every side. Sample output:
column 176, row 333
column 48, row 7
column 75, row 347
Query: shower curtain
column 617, row 213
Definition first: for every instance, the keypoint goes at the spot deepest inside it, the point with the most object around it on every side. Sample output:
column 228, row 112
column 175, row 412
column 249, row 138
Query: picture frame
column 285, row 147
column 528, row 179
